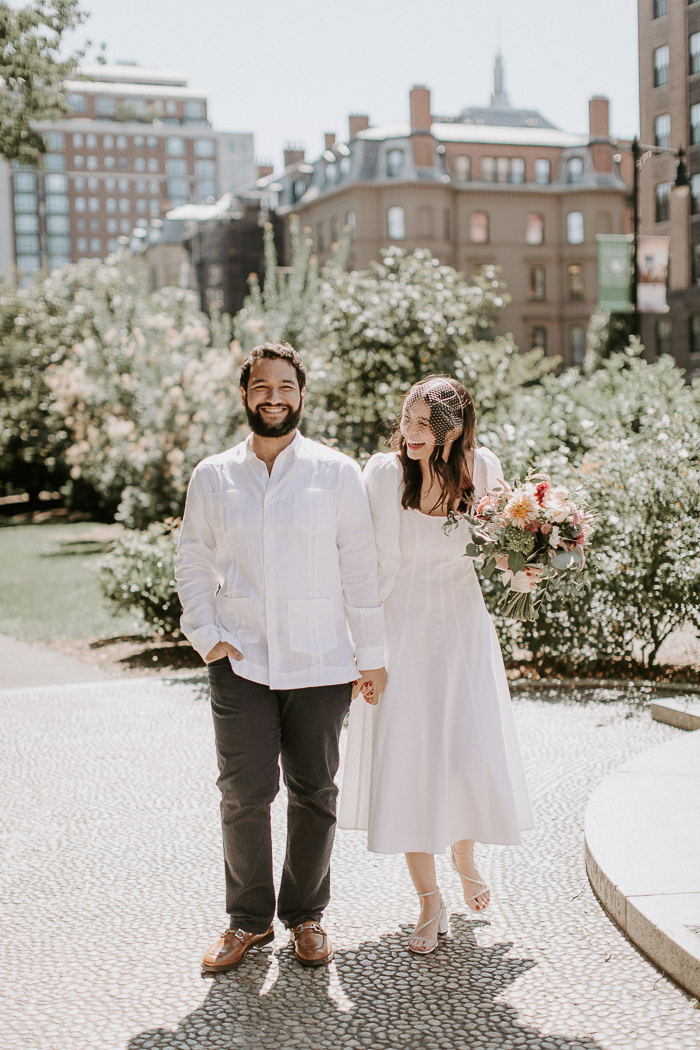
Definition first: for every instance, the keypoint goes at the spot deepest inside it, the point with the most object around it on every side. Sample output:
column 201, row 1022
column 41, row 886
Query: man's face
column 273, row 401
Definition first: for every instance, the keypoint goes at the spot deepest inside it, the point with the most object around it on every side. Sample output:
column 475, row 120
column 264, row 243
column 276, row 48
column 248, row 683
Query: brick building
column 669, row 93
column 495, row 184
column 138, row 143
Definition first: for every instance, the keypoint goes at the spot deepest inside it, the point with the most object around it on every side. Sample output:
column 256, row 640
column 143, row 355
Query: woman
column 436, row 763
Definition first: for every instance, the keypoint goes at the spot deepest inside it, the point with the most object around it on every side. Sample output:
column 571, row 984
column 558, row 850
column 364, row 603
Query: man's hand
column 220, row 650
column 372, row 684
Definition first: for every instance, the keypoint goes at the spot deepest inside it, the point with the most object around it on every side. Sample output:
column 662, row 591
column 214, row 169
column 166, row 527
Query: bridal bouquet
column 532, row 532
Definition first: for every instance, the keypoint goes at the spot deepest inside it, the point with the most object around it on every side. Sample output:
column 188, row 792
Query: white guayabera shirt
column 282, row 566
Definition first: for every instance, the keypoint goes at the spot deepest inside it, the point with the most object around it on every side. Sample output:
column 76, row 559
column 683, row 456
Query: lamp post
column 640, row 155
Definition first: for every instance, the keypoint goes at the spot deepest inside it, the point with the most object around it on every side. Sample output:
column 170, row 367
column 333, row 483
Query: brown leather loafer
column 231, row 949
column 311, row 944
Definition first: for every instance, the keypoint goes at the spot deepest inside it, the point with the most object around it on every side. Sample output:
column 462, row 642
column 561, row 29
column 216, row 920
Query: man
column 276, row 574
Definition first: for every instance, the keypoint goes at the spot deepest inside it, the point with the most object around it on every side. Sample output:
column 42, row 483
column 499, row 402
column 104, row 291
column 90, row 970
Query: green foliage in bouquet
column 138, row 575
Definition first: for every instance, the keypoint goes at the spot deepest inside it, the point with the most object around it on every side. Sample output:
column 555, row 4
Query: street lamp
column 640, row 155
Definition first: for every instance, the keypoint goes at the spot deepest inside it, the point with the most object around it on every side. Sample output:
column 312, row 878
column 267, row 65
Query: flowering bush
column 138, row 575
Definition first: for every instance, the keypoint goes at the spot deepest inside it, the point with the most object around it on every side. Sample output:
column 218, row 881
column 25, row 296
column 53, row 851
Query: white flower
column 555, row 537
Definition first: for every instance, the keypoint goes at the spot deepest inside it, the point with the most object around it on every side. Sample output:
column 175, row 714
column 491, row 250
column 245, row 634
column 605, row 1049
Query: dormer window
column 298, row 189
column 574, row 171
column 331, row 174
column 394, row 163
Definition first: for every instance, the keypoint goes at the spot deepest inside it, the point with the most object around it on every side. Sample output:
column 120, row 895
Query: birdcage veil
column 433, row 406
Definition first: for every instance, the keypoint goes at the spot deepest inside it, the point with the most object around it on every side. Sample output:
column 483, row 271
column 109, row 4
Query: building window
column 141, row 206
column 479, row 231
column 29, row 263
column 394, row 163
column 542, row 172
column 663, row 201
column 123, row 185
column 321, row 237
column 26, row 223
column 27, row 243
column 154, row 207
column 396, row 223
column 662, row 131
column 178, row 189
column 577, row 343
column 139, row 142
column 95, row 244
column 105, row 106
column 111, row 204
column 124, row 204
column 25, row 203
column 517, row 170
column 538, row 337
column 488, row 169
column 534, row 229
column 108, row 141
column 92, row 164
column 123, row 163
column 56, row 184
column 76, row 103
column 659, row 8
column 575, row 281
column 55, row 139
column 694, row 322
column 462, row 167
column 78, row 141
column 175, row 146
column 94, row 204
column 206, row 191
column 663, row 336
column 574, row 227
column 56, row 205
column 695, row 124
column 171, row 108
column 205, row 147
column 298, row 189
column 574, row 171
column 152, row 141
column 205, row 168
column 345, row 164
column 661, row 66
column 538, row 283
column 176, row 167
column 695, row 194
column 82, row 244
column 58, row 224
column 694, row 57
column 25, row 182
column 91, row 141
column 140, row 164
column 78, row 161
column 331, row 173
column 194, row 109
column 351, row 221
column 121, row 142
column 109, row 163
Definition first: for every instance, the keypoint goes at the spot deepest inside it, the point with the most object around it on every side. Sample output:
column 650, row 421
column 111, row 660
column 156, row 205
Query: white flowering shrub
column 138, row 575
column 146, row 396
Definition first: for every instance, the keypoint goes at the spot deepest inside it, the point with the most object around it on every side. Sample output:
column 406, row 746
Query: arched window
column 534, row 229
column 394, row 163
column 462, row 167
column 574, row 227
column 574, row 170
column 542, row 171
column 396, row 223
column 479, row 232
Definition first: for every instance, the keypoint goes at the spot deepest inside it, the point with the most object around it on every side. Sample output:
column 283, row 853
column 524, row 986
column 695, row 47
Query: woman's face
column 416, row 430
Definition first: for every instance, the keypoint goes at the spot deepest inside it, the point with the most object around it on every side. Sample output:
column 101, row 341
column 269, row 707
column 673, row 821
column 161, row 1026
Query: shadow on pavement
column 378, row 995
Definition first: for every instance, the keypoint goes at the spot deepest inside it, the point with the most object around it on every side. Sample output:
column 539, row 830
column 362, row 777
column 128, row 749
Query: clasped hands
column 372, row 684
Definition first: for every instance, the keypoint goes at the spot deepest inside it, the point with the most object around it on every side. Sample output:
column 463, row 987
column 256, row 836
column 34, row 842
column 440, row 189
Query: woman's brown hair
column 456, row 485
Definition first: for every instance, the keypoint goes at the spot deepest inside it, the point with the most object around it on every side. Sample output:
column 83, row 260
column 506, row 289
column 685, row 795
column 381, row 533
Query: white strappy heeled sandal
column 485, row 888
column 443, row 926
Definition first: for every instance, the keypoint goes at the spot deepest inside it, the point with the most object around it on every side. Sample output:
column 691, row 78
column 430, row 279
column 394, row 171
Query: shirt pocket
column 226, row 512
column 312, row 627
column 314, row 510
column 235, row 614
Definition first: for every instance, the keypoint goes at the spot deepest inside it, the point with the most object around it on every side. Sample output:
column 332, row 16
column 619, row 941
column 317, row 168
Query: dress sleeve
column 382, row 476
column 489, row 474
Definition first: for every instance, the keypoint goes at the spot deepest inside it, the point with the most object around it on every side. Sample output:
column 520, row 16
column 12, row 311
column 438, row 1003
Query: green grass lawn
column 48, row 586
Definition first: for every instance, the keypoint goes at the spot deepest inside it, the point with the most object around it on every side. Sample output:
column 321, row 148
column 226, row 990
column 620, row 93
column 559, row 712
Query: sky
column 290, row 70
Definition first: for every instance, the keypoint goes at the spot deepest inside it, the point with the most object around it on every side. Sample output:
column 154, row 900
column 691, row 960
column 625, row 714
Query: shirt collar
column 290, row 452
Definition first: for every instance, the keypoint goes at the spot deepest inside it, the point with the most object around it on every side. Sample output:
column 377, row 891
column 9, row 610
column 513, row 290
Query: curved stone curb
column 642, row 832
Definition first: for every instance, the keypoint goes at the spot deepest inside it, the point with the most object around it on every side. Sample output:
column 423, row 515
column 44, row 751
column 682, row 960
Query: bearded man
column 278, row 582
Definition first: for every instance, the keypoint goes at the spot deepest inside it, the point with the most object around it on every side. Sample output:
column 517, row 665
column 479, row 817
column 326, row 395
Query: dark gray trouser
column 254, row 727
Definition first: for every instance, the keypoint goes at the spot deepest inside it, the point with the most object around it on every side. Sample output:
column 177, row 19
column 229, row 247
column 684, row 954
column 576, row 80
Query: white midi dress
column 437, row 760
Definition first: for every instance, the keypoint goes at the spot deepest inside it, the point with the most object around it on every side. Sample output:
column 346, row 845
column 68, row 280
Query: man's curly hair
column 283, row 351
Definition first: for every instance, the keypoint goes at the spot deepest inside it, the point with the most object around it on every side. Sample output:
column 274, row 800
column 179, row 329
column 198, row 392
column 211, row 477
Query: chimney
column 421, row 120
column 420, row 108
column 330, row 139
column 293, row 154
column 264, row 169
column 599, row 117
column 599, row 128
column 357, row 122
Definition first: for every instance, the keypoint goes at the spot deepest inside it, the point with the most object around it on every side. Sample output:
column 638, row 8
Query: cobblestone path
column 112, row 888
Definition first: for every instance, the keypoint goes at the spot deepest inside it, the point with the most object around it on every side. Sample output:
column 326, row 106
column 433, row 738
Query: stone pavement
column 112, row 887
column 25, row 663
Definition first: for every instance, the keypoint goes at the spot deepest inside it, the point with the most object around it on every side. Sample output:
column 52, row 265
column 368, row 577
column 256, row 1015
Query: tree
column 30, row 39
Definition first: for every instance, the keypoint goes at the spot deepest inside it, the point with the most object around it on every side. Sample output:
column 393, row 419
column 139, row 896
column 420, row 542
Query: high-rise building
column 669, row 97
column 138, row 143
column 493, row 185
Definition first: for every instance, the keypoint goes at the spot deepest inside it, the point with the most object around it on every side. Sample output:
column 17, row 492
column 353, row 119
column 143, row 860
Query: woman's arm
column 382, row 477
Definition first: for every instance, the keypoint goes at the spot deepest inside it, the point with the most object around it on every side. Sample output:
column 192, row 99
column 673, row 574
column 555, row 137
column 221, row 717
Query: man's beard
column 286, row 425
